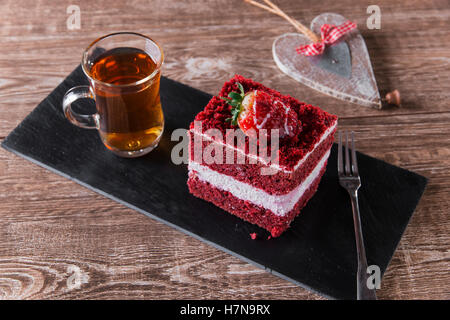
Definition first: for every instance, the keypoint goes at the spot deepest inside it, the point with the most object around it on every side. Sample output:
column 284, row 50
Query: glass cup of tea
column 124, row 71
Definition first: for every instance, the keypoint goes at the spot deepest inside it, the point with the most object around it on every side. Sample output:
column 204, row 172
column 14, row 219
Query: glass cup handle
column 88, row 121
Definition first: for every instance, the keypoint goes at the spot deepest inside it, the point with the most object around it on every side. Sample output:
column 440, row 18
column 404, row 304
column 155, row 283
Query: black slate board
column 317, row 252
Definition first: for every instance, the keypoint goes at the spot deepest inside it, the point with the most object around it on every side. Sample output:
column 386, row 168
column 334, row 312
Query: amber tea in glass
column 124, row 75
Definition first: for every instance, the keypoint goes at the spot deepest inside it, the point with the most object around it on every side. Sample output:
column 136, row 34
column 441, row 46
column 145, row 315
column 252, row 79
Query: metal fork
column 350, row 181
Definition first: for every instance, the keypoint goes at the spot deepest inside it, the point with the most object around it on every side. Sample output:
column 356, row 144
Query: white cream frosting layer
column 272, row 165
column 278, row 204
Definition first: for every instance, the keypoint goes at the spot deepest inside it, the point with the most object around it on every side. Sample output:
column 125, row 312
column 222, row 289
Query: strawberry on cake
column 236, row 181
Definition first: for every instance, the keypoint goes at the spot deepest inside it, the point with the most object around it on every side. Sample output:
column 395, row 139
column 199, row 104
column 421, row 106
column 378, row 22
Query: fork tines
column 350, row 168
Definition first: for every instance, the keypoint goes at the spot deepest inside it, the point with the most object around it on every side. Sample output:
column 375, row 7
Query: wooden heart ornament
column 343, row 70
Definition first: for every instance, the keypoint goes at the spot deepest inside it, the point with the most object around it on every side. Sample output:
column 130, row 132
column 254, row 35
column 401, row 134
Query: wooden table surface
column 54, row 231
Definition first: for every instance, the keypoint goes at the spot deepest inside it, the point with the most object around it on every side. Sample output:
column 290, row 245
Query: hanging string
column 271, row 7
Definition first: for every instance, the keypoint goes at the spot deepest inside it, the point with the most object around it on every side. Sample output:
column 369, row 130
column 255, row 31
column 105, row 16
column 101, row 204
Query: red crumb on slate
column 269, row 237
column 253, row 236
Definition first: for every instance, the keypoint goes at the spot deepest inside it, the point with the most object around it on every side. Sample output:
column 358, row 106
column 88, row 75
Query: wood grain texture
column 48, row 224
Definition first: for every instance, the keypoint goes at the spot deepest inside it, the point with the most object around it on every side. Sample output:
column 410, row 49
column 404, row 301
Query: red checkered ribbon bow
column 330, row 34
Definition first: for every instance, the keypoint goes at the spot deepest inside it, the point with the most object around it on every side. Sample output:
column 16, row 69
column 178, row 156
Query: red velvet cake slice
column 231, row 176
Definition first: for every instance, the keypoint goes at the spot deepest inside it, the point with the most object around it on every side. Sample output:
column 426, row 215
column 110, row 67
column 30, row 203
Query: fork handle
column 363, row 292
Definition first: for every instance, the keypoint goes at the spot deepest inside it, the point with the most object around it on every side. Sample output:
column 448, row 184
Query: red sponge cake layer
column 281, row 181
column 247, row 210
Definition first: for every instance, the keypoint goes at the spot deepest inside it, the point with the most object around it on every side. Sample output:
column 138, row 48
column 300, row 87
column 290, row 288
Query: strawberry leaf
column 241, row 88
column 235, row 100
column 235, row 96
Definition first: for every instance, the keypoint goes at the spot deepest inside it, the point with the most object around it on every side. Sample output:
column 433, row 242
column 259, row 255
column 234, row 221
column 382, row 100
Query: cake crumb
column 269, row 237
column 253, row 235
